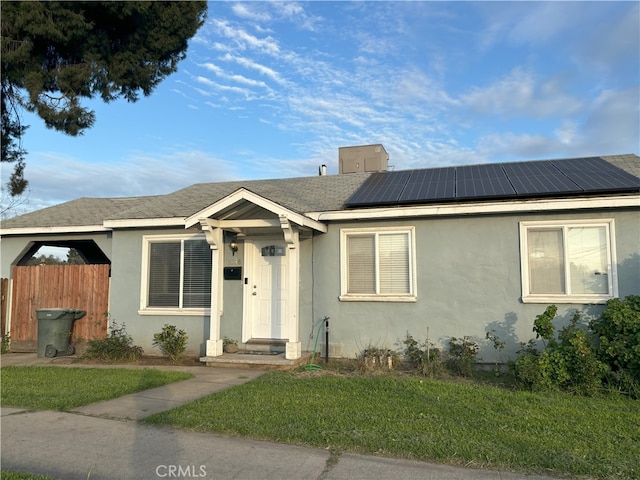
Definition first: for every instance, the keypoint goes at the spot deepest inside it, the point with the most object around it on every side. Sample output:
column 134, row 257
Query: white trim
column 377, row 298
column 175, row 311
column 612, row 273
column 413, row 287
column 44, row 230
column 144, row 276
column 145, row 222
column 313, row 219
column 507, row 206
column 244, row 194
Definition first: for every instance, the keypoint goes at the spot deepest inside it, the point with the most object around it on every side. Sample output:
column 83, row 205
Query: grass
column 55, row 388
column 6, row 475
column 460, row 423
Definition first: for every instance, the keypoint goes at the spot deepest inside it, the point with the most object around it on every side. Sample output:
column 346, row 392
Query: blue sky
column 271, row 90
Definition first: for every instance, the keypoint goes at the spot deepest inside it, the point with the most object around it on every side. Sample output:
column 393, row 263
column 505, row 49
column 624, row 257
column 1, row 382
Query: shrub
column 425, row 357
column 375, row 358
column 618, row 343
column 618, row 332
column 568, row 363
column 526, row 367
column 6, row 343
column 117, row 346
column 172, row 341
column 462, row 356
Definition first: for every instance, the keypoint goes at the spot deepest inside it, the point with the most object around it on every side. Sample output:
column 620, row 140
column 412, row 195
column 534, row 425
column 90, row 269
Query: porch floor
column 258, row 361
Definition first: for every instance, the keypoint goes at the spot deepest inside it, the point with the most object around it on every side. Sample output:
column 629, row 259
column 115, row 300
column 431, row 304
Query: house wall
column 126, row 275
column 468, row 283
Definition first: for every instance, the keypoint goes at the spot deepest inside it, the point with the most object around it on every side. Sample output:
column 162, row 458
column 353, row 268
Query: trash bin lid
column 58, row 313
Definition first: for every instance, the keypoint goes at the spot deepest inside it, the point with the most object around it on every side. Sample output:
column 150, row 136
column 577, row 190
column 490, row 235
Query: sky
column 273, row 89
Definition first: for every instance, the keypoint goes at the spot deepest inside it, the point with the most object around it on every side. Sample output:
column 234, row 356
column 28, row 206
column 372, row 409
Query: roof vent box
column 363, row 158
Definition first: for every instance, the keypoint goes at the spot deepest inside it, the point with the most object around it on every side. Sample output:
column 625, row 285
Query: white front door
column 266, row 290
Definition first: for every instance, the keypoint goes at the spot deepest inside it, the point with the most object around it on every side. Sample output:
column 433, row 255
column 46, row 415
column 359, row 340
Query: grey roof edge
column 629, row 162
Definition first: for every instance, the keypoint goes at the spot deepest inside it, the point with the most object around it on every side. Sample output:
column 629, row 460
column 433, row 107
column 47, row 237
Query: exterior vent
column 363, row 158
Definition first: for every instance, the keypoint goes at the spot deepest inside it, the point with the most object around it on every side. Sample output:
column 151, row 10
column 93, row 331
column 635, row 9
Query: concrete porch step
column 255, row 360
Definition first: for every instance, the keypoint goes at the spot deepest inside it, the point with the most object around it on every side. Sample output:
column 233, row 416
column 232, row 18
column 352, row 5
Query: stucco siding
column 126, row 277
column 468, row 283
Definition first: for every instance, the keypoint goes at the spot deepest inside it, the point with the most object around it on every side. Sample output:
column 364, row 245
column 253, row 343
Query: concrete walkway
column 103, row 441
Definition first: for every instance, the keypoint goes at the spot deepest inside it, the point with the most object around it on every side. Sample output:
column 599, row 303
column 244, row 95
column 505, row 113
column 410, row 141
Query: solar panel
column 504, row 180
column 431, row 184
column 596, row 174
column 542, row 177
column 487, row 180
column 380, row 188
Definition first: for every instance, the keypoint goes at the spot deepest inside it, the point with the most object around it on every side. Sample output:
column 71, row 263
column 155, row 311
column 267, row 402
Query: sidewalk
column 103, row 441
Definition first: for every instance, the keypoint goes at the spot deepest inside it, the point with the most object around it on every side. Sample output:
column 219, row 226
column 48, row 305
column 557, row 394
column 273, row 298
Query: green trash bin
column 54, row 330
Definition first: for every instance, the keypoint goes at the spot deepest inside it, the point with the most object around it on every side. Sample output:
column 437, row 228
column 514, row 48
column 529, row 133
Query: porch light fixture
column 233, row 246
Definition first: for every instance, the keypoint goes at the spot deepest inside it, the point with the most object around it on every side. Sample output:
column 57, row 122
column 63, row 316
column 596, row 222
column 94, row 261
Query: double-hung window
column 568, row 261
column 378, row 264
column 177, row 271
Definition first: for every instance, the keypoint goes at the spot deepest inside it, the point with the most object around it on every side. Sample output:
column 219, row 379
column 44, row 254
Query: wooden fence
column 83, row 287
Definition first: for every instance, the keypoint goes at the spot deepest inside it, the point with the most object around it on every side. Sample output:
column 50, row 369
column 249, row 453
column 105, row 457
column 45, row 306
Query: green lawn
column 5, row 475
column 459, row 423
column 63, row 388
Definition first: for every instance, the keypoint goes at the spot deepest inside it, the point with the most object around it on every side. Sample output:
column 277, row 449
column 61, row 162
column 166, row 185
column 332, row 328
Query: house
column 438, row 253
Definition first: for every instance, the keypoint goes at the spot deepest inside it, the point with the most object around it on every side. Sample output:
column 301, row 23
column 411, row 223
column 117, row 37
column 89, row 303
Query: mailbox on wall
column 232, row 273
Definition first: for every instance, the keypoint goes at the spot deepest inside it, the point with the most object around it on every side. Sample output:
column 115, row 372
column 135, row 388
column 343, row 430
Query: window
column 178, row 273
column 377, row 264
column 571, row 262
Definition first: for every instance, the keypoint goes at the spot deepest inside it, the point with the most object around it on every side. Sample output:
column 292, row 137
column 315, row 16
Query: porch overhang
column 222, row 214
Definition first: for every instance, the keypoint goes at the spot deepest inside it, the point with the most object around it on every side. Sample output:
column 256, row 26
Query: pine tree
column 54, row 54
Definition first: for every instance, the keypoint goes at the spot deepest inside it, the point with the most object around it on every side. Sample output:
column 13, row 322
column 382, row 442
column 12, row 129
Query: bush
column 117, row 346
column 568, row 363
column 618, row 343
column 462, row 356
column 6, row 343
column 618, row 333
column 172, row 341
column 425, row 357
column 375, row 358
column 526, row 367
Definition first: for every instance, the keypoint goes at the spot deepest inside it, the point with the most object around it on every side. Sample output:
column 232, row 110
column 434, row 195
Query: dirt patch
column 186, row 361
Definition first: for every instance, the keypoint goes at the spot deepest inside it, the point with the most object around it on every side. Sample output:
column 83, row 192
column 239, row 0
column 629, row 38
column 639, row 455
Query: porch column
column 293, row 347
column 214, row 238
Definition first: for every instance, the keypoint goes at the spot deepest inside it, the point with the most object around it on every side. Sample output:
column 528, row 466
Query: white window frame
column 564, row 225
column 377, row 297
column 147, row 240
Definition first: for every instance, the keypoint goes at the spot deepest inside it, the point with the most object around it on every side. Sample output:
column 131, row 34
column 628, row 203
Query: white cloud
column 613, row 124
column 244, row 40
column 519, row 94
column 253, row 65
column 249, row 12
column 223, row 88
column 294, row 12
column 55, row 179
column 233, row 77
